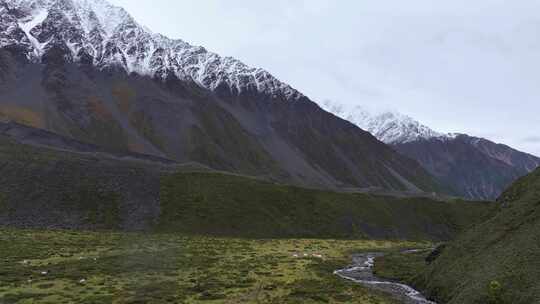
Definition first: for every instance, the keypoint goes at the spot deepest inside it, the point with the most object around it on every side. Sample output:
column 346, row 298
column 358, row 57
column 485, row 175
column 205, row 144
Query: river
column 361, row 271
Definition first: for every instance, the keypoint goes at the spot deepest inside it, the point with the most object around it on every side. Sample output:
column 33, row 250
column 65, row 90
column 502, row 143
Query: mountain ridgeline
column 86, row 70
column 473, row 167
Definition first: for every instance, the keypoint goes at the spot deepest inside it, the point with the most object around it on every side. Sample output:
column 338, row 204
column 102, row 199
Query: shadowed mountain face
column 473, row 167
column 181, row 102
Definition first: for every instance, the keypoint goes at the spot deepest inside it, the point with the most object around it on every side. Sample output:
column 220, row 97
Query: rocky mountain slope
column 474, row 167
column 87, row 70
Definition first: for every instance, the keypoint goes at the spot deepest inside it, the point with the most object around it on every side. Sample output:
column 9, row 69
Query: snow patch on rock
column 388, row 126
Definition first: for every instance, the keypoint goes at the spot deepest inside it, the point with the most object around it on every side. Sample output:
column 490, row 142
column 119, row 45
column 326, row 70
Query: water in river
column 361, row 271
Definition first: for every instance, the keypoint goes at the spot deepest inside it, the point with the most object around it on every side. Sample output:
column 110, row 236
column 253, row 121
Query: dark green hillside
column 495, row 262
column 44, row 188
column 229, row 205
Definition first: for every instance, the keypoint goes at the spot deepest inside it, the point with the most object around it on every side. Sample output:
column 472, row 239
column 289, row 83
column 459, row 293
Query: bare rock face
column 86, row 70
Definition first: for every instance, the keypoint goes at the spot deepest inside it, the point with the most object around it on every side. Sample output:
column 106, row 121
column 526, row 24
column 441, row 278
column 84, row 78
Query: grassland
column 106, row 267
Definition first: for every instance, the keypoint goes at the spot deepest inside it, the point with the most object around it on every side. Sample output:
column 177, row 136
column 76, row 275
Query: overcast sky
column 456, row 66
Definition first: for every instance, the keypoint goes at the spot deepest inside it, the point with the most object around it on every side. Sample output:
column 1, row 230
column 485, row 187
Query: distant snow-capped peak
column 96, row 32
column 389, row 127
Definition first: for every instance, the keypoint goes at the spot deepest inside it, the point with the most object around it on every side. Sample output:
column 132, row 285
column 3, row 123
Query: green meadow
column 108, row 267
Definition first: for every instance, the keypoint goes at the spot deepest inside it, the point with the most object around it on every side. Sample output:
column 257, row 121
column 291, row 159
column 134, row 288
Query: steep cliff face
column 473, row 167
column 87, row 70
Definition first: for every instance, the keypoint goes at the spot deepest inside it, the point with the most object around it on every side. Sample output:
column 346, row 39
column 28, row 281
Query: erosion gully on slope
column 361, row 271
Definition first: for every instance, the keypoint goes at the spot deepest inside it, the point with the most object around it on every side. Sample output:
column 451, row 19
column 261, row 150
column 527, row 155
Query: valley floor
column 105, row 267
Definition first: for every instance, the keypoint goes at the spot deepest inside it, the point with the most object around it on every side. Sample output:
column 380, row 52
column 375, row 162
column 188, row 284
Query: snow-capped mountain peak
column 96, row 32
column 389, row 126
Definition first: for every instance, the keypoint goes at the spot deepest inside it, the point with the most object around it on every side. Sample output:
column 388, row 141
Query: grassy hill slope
column 232, row 205
column 497, row 261
column 44, row 188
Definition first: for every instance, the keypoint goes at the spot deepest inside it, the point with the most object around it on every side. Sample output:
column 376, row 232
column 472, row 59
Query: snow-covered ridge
column 105, row 35
column 389, row 127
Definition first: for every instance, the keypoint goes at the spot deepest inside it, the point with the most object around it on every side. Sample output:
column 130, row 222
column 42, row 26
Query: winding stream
column 361, row 271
